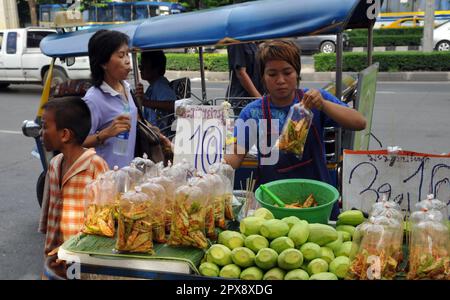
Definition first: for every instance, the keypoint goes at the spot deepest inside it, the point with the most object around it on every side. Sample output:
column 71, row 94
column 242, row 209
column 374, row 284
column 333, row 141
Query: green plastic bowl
column 293, row 190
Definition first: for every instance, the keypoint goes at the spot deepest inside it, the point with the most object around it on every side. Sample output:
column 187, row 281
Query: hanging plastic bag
column 134, row 230
column 188, row 219
column 295, row 131
column 99, row 212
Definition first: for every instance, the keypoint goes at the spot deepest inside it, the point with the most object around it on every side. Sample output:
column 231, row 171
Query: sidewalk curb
column 384, row 48
column 322, row 76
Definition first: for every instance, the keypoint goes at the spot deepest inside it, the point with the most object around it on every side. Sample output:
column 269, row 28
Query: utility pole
column 428, row 26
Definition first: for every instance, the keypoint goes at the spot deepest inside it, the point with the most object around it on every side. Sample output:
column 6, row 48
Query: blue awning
column 251, row 21
column 76, row 43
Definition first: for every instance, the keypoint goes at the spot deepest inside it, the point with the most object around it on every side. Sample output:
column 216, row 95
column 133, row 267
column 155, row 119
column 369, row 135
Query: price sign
column 405, row 178
column 200, row 136
column 204, row 112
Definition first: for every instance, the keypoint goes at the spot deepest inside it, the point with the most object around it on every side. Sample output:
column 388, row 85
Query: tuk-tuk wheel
column 59, row 76
column 40, row 188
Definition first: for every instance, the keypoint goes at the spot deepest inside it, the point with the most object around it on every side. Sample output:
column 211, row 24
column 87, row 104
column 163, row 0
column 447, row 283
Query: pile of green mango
column 288, row 249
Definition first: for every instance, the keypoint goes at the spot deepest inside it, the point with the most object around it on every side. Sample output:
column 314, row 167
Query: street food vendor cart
column 221, row 26
column 253, row 21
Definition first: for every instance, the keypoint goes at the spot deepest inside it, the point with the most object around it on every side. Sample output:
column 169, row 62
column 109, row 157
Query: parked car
column 21, row 59
column 322, row 43
column 441, row 37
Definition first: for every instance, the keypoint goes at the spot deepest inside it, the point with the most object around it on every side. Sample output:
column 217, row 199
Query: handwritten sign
column 200, row 136
column 202, row 111
column 405, row 178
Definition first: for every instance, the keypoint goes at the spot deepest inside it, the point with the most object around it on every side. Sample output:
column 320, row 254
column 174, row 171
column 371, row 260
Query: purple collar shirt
column 105, row 105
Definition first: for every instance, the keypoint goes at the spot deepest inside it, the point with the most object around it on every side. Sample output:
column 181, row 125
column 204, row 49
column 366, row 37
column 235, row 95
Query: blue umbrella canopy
column 251, row 21
column 76, row 43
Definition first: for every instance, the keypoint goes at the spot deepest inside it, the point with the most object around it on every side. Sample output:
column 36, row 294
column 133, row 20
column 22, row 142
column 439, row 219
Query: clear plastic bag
column 224, row 169
column 227, row 173
column 178, row 173
column 431, row 203
column 205, row 185
column 122, row 181
column 429, row 250
column 169, row 187
column 122, row 184
column 136, row 176
column 218, row 190
column 157, row 195
column 134, row 230
column 427, row 215
column 228, row 199
column 386, row 208
column 376, row 249
column 146, row 166
column 188, row 219
column 249, row 205
column 387, row 211
column 295, row 130
column 99, row 212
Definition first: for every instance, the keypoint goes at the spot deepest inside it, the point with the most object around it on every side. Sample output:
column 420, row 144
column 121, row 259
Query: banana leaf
column 104, row 246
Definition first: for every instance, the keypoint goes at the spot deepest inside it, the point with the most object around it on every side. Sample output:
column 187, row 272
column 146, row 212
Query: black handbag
column 147, row 138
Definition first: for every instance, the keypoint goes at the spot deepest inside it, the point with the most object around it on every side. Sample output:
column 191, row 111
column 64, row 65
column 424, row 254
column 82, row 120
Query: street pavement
column 413, row 115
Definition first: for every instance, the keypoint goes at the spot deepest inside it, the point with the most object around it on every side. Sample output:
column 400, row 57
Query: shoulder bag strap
column 138, row 106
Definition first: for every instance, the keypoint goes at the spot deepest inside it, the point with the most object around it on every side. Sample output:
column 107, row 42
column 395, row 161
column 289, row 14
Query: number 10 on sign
column 200, row 142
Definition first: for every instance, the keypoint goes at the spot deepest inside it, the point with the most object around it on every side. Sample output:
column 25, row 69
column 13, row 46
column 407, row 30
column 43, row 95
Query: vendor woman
column 279, row 63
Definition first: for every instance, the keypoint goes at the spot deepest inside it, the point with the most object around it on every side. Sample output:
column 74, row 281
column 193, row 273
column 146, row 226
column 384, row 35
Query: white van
column 21, row 60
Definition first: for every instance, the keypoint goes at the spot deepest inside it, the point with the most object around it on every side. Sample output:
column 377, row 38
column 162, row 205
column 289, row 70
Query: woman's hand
column 119, row 124
column 345, row 116
column 313, row 99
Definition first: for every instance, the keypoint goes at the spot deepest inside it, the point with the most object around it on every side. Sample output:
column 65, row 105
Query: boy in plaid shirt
column 65, row 125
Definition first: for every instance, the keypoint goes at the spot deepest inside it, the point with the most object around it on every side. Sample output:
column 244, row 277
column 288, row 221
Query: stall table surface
column 96, row 255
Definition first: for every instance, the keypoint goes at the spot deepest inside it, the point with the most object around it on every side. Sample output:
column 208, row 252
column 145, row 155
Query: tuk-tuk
column 239, row 23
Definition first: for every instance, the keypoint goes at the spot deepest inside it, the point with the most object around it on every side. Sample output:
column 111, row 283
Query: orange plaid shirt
column 64, row 198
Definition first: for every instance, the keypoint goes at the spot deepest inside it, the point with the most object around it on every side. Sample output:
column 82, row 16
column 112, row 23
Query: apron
column 311, row 166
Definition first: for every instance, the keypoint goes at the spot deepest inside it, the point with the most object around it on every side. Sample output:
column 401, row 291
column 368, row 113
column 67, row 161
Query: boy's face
column 51, row 136
column 147, row 72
